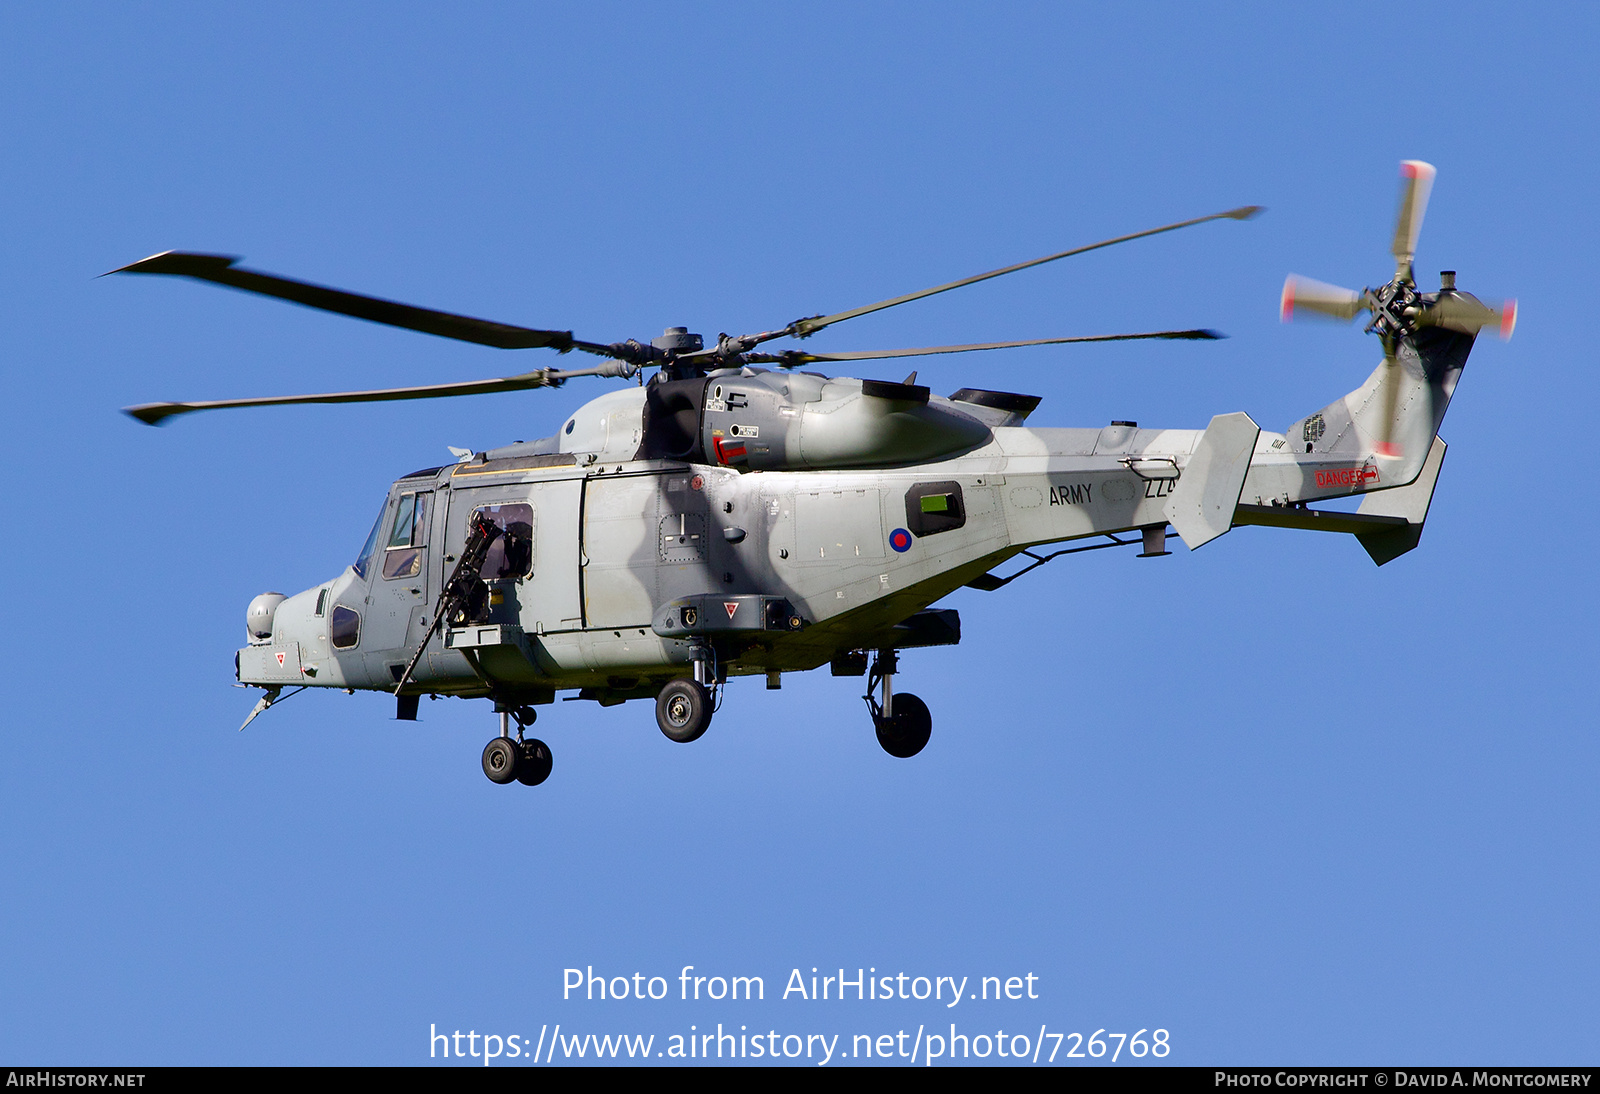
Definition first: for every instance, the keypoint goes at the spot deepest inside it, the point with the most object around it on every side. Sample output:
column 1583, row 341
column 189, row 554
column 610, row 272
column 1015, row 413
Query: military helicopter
column 728, row 519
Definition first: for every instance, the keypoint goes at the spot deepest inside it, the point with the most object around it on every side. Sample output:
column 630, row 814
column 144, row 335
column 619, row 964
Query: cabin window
column 511, row 553
column 933, row 507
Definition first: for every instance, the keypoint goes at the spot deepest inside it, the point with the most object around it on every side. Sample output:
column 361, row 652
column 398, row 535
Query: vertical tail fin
column 1389, row 422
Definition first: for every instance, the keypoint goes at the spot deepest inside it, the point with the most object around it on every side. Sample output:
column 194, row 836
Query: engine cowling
column 754, row 420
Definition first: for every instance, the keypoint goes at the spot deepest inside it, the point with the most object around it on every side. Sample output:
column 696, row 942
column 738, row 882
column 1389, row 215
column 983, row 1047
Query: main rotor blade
column 803, row 327
column 1302, row 294
column 221, row 270
column 1416, row 183
column 793, row 358
column 155, row 413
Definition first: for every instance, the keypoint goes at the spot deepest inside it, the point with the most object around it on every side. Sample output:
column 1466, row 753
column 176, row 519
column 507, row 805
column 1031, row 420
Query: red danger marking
column 1348, row 476
column 732, row 606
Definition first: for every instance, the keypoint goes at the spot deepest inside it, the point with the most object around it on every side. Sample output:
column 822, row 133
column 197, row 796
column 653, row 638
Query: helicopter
column 743, row 515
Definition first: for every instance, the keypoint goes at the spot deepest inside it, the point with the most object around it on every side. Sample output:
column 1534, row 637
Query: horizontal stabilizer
column 1202, row 505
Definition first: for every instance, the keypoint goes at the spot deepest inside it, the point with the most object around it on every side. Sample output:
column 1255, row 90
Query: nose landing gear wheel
column 500, row 760
column 906, row 732
column 683, row 710
column 533, row 766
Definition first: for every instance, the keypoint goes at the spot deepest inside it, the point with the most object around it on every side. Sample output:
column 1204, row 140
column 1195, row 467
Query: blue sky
column 1287, row 806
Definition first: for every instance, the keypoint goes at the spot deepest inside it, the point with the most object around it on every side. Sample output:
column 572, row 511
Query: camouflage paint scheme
column 809, row 517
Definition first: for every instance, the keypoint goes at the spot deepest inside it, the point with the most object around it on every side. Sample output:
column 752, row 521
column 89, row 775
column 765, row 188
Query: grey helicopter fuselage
column 725, row 520
column 775, row 522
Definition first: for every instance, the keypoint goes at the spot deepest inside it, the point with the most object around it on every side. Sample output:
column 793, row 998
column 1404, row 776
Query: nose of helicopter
column 278, row 619
column 285, row 644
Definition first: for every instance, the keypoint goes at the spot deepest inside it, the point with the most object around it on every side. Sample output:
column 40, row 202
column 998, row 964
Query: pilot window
column 371, row 546
column 409, row 534
column 511, row 553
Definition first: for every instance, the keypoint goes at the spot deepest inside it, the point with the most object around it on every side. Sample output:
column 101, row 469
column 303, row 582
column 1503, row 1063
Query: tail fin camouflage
column 1387, row 424
column 1383, row 436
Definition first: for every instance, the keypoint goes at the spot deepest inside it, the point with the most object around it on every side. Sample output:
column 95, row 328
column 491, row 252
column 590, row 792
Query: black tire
column 533, row 767
column 500, row 758
column 683, row 710
column 906, row 733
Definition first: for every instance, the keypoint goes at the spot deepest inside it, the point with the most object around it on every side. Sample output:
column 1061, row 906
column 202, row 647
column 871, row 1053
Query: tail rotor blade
column 1466, row 313
column 1317, row 298
column 1385, row 444
column 1416, row 183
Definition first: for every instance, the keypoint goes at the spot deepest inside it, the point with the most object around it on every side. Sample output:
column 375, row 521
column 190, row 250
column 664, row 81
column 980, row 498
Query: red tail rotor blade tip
column 1508, row 319
column 1287, row 303
column 1416, row 169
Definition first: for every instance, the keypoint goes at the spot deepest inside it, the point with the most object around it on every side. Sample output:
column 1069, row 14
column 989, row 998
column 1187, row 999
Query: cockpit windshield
column 371, row 546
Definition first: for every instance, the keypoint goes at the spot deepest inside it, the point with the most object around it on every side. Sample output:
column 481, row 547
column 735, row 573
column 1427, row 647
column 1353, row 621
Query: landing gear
column 506, row 759
column 683, row 710
column 533, row 766
column 500, row 758
column 905, row 732
column 902, row 721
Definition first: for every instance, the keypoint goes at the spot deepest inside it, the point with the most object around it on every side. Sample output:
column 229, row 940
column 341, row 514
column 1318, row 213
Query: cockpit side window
column 407, row 537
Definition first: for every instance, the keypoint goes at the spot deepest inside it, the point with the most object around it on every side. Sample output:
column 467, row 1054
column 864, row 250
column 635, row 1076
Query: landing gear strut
column 525, row 761
column 902, row 721
column 684, row 707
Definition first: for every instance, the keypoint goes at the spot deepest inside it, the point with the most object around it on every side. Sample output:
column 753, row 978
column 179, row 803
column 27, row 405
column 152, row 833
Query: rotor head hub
column 678, row 340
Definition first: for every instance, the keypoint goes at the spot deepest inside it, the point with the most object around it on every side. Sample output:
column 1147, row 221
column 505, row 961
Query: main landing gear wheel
column 683, row 710
column 533, row 766
column 906, row 732
column 501, row 757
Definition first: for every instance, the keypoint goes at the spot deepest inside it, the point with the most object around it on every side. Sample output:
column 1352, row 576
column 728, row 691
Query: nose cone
column 258, row 618
column 288, row 641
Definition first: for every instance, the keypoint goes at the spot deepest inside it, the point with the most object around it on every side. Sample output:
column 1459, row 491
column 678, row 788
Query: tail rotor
column 1397, row 310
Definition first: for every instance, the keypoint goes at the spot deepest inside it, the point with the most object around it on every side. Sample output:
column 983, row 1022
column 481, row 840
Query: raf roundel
column 900, row 540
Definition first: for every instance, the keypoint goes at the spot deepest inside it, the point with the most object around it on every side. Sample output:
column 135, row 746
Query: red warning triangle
column 732, row 606
column 280, row 658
